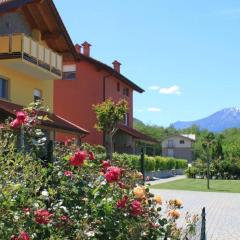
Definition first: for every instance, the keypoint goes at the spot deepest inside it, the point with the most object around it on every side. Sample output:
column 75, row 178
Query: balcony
column 22, row 53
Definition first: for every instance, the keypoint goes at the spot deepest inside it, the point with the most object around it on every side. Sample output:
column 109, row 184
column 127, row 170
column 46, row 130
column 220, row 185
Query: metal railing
column 201, row 227
column 22, row 46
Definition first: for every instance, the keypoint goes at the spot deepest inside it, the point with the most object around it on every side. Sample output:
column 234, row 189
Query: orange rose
column 174, row 213
column 178, row 202
column 158, row 199
column 139, row 192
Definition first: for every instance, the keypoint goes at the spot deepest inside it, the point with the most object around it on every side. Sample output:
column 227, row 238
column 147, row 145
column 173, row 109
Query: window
column 3, row 88
column 181, row 142
column 118, row 87
column 69, row 72
column 126, row 119
column 37, row 95
column 126, row 91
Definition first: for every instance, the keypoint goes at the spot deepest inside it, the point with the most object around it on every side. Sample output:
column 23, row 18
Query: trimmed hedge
column 151, row 163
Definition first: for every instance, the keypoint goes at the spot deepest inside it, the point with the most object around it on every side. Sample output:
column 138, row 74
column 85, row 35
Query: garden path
column 222, row 210
column 164, row 180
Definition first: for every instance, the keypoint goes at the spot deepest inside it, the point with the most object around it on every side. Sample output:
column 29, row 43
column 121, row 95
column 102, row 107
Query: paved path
column 222, row 209
column 163, row 180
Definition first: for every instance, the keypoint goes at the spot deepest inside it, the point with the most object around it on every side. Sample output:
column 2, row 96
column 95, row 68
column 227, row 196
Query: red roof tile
column 55, row 122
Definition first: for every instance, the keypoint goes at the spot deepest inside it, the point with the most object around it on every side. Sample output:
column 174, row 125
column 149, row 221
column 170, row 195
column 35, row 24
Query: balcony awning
column 137, row 135
column 8, row 109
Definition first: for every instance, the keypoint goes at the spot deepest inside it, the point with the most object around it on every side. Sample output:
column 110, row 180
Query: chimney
column 78, row 48
column 86, row 48
column 116, row 66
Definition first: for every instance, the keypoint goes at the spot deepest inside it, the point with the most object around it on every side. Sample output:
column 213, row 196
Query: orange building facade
column 88, row 81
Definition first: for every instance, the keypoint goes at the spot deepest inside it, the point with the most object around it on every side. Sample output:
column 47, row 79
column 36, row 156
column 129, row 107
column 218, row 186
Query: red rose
column 136, row 208
column 68, row 173
column 15, row 123
column 64, row 218
column 113, row 174
column 91, row 156
column 122, row 203
column 106, row 164
column 26, row 211
column 21, row 118
column 78, row 158
column 23, row 236
column 43, row 216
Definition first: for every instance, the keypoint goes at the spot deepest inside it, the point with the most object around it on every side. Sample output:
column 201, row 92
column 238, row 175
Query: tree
column 208, row 145
column 109, row 114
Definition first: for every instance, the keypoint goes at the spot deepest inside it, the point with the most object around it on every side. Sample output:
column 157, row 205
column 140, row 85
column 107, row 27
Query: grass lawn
column 189, row 184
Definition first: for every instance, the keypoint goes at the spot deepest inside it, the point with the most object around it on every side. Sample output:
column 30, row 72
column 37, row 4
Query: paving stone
column 222, row 211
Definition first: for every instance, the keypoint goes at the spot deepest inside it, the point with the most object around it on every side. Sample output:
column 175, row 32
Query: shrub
column 181, row 164
column 151, row 163
column 78, row 197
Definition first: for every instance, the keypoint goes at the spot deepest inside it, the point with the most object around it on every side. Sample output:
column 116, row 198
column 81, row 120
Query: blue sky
column 184, row 53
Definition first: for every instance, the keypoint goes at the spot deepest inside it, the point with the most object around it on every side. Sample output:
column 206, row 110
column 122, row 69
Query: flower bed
column 77, row 196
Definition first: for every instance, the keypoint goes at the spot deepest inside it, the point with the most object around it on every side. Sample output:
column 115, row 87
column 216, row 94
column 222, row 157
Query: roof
column 56, row 122
column 110, row 70
column 191, row 137
column 44, row 16
column 138, row 135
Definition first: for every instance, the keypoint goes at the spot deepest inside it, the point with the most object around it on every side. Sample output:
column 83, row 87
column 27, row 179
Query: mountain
column 217, row 122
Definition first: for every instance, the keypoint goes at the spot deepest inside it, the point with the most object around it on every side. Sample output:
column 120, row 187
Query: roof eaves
column 112, row 71
column 12, row 4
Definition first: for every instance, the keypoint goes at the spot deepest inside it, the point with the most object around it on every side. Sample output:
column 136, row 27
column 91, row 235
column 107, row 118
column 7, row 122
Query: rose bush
column 77, row 196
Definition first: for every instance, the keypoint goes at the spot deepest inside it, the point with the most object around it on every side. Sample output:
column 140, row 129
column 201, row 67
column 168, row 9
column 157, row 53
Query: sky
column 184, row 53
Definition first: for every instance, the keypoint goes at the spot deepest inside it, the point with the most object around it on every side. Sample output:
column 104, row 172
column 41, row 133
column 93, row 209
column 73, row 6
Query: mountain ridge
column 216, row 122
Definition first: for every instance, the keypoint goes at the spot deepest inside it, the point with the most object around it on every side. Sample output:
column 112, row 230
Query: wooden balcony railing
column 21, row 46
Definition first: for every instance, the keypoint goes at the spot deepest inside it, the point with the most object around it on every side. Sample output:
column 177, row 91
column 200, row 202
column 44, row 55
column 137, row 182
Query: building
column 34, row 44
column 88, row 81
column 179, row 146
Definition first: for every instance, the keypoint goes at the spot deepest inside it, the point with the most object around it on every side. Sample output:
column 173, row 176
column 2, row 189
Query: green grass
column 231, row 186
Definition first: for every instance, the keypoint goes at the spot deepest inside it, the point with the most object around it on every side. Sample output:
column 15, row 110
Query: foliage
column 151, row 163
column 77, row 196
column 223, row 150
column 109, row 114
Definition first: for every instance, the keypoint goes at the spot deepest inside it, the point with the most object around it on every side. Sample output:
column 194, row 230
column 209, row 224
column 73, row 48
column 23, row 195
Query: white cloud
column 154, row 109
column 170, row 90
column 154, row 88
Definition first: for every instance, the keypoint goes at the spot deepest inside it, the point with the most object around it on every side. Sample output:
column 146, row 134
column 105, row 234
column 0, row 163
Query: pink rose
column 68, row 173
column 113, row 174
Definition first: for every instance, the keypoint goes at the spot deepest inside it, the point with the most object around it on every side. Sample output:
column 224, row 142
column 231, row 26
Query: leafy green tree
column 109, row 114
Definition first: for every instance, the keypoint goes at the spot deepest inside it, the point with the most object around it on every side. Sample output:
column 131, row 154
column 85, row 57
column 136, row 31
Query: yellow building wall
column 21, row 87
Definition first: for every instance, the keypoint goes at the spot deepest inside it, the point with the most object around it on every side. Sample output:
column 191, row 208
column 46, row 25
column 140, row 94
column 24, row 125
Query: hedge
column 151, row 163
